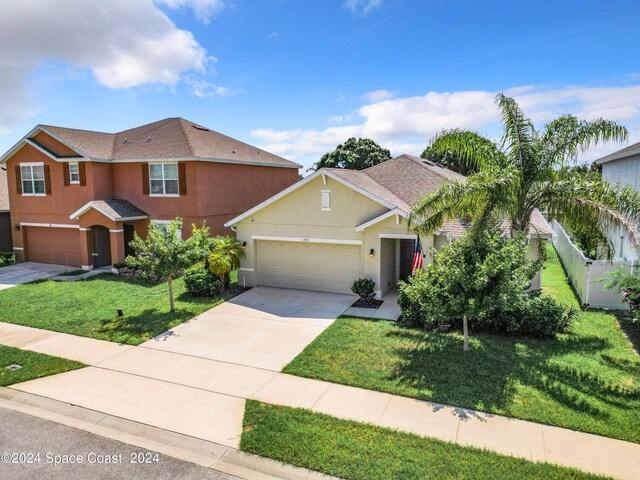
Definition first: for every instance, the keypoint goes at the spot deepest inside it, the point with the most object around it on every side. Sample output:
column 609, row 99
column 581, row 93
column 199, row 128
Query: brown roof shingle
column 168, row 138
column 403, row 180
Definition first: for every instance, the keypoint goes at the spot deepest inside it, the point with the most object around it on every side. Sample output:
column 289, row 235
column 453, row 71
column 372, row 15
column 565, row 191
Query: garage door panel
column 308, row 266
column 53, row 245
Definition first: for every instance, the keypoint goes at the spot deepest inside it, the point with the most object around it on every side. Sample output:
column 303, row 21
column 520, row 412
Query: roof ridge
column 423, row 163
column 181, row 122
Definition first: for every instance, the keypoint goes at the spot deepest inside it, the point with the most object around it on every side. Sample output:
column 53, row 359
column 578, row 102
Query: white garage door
column 322, row 267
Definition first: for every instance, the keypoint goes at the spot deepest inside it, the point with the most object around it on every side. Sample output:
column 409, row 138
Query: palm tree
column 225, row 257
column 523, row 172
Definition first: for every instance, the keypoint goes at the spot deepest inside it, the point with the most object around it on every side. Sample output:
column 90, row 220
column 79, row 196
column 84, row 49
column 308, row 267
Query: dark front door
column 128, row 236
column 101, row 246
column 407, row 248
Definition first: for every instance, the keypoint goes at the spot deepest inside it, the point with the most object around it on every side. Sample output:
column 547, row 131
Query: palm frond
column 567, row 137
column 519, row 134
column 471, row 148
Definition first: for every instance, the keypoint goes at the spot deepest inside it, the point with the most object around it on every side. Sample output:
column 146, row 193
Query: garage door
column 321, row 267
column 53, row 245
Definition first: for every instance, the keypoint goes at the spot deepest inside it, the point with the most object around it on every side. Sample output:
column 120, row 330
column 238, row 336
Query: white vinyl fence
column 587, row 275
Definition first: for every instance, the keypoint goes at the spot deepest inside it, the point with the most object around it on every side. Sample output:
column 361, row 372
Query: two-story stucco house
column 623, row 168
column 78, row 196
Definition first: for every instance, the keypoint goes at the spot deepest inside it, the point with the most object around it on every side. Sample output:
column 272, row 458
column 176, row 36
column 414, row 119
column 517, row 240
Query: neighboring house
column 337, row 225
column 6, row 244
column 623, row 168
column 78, row 196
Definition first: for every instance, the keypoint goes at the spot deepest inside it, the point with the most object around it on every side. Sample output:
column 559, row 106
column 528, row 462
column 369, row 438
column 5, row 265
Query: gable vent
column 200, row 128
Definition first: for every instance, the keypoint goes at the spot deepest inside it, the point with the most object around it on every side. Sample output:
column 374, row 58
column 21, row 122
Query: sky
column 298, row 77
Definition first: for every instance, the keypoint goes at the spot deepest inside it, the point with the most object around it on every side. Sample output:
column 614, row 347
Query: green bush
column 364, row 288
column 200, row 282
column 537, row 316
column 7, row 257
column 485, row 277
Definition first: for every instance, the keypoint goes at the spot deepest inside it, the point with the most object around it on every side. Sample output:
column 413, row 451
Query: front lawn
column 88, row 307
column 588, row 379
column 34, row 365
column 357, row 451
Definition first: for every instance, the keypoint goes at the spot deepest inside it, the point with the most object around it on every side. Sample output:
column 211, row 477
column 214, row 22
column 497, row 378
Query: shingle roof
column 168, row 138
column 620, row 154
column 116, row 210
column 4, row 191
column 119, row 208
column 405, row 179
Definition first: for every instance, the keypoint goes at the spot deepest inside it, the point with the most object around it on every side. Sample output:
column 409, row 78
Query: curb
column 183, row 447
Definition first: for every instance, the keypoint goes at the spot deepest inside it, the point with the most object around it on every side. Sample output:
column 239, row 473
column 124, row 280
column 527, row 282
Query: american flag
column 417, row 257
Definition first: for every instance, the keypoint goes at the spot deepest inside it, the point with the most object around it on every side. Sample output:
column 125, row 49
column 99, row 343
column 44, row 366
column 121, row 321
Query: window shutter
column 182, row 178
column 66, row 174
column 145, row 179
column 47, row 180
column 18, row 180
column 82, row 171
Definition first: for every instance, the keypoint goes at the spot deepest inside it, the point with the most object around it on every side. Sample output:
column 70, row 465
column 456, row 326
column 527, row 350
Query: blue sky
column 298, row 77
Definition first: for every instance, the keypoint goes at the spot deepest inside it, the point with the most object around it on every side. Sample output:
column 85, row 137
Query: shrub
column 200, row 282
column 627, row 283
column 486, row 278
column 119, row 265
column 538, row 316
column 364, row 288
column 7, row 257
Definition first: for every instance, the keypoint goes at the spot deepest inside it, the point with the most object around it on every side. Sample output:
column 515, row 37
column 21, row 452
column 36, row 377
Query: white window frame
column 76, row 173
column 325, row 200
column 32, row 180
column 164, row 185
column 167, row 222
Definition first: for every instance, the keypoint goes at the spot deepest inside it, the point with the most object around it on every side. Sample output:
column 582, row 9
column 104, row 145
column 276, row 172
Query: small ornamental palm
column 225, row 257
column 524, row 172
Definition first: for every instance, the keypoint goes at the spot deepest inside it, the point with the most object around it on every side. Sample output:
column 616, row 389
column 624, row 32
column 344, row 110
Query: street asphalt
column 31, row 447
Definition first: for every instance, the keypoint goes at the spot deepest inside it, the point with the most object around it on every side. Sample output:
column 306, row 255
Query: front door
column 101, row 246
column 407, row 249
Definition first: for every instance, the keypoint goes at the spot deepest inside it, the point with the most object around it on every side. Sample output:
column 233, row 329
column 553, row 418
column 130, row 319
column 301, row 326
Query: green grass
column 588, row 379
column 357, row 451
column 34, row 365
column 88, row 307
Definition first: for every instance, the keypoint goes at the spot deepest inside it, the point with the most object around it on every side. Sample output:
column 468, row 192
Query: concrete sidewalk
column 205, row 398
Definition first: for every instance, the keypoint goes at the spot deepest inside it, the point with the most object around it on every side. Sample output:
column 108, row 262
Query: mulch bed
column 373, row 304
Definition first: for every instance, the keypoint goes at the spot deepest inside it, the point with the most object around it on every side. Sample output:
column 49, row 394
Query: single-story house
column 337, row 225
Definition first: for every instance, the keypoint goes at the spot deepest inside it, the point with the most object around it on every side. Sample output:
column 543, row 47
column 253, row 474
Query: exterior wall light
column 16, row 227
column 372, row 253
column 244, row 244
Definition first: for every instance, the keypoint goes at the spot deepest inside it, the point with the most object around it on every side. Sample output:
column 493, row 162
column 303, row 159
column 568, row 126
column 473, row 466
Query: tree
column 164, row 252
column 354, row 154
column 225, row 257
column 523, row 173
column 450, row 159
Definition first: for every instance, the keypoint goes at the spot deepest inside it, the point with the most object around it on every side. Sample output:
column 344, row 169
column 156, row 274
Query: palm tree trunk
column 172, row 307
column 465, row 332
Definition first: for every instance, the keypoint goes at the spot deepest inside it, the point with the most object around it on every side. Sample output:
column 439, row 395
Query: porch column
column 85, row 249
column 117, row 243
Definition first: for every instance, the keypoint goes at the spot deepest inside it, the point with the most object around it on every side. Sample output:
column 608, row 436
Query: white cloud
column 124, row 43
column 378, row 95
column 203, row 88
column 404, row 125
column 204, row 10
column 362, row 7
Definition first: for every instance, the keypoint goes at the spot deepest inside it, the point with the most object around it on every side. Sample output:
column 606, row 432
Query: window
column 326, row 200
column 32, row 176
column 164, row 225
column 74, row 173
column 163, row 179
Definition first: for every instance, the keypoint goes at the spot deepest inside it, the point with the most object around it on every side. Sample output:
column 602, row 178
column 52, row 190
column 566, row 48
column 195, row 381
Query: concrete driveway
column 193, row 379
column 264, row 327
column 29, row 272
